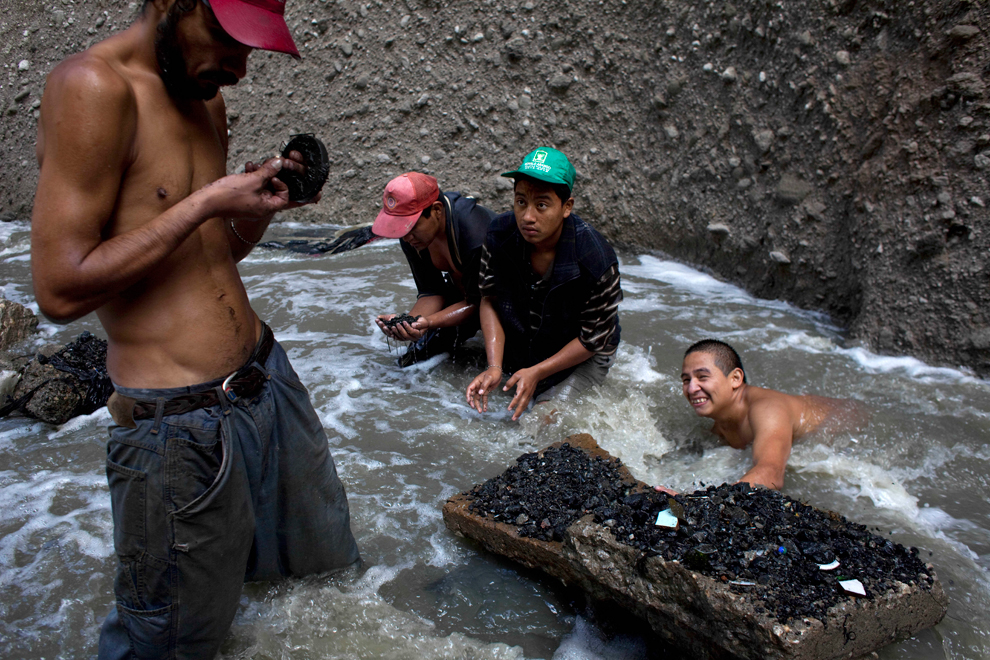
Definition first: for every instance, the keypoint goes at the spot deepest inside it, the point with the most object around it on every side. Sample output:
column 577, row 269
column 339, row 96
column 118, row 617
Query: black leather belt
column 245, row 382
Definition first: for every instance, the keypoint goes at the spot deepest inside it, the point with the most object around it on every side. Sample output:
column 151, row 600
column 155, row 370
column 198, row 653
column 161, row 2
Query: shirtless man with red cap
column 218, row 466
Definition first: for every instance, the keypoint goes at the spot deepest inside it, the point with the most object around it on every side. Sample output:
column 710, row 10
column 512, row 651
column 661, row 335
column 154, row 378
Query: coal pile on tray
column 761, row 538
column 545, row 492
column 758, row 541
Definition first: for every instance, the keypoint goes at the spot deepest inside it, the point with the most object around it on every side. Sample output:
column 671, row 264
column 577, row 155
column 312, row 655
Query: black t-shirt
column 466, row 226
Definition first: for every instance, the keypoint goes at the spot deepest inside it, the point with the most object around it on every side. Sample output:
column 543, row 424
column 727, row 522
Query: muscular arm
column 448, row 317
column 773, row 437
column 491, row 328
column 435, row 315
column 86, row 142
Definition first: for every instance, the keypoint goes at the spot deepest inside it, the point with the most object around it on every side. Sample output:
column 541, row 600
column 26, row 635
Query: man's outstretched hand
column 478, row 390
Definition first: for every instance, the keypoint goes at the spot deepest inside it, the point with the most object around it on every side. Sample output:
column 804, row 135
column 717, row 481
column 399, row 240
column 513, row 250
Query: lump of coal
column 304, row 187
column 400, row 318
column 546, row 492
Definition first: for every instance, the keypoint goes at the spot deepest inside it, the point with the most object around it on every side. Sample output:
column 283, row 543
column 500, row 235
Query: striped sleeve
column 486, row 276
column 600, row 317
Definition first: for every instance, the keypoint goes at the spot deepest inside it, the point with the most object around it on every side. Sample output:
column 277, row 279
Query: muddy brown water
column 405, row 440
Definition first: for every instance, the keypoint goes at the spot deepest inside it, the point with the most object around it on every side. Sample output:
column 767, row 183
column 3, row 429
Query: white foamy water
column 405, row 440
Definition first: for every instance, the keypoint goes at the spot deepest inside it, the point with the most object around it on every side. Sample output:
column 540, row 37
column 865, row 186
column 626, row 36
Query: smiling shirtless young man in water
column 714, row 383
column 219, row 468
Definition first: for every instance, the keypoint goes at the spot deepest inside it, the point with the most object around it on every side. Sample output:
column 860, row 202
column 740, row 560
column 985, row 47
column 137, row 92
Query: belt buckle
column 227, row 389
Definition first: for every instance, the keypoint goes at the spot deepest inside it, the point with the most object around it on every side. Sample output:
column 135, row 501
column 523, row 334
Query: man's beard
column 172, row 63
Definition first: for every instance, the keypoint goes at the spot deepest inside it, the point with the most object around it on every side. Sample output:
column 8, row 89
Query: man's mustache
column 219, row 77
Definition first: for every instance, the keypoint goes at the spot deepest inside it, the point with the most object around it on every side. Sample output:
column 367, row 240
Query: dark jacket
column 466, row 226
column 582, row 258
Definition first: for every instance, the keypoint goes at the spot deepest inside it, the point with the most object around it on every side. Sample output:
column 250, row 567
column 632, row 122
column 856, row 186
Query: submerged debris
column 346, row 239
column 72, row 381
column 760, row 542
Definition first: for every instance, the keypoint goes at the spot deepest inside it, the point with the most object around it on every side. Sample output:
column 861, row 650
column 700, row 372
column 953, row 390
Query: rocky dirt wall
column 833, row 153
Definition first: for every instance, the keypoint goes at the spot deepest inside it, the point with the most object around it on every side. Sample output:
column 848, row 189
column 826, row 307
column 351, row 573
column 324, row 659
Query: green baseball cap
column 546, row 164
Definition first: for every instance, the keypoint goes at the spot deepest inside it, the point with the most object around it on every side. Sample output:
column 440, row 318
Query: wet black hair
column 726, row 358
column 429, row 208
column 183, row 5
column 559, row 189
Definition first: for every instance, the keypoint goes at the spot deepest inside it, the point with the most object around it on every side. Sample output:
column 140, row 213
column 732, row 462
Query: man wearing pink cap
column 442, row 235
column 219, row 468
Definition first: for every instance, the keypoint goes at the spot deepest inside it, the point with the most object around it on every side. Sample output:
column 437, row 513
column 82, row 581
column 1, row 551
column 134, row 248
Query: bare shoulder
column 89, row 76
column 770, row 407
column 88, row 111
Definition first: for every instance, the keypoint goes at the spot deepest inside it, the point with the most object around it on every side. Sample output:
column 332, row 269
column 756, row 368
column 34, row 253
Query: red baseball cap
column 404, row 200
column 256, row 23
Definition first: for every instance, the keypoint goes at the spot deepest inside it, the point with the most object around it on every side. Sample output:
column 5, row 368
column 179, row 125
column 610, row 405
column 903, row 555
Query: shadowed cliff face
column 831, row 153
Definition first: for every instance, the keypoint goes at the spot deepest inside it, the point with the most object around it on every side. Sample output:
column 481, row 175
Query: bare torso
column 189, row 319
column 440, row 255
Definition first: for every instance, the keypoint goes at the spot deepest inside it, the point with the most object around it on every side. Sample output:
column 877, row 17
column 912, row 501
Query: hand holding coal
column 400, row 318
column 305, row 186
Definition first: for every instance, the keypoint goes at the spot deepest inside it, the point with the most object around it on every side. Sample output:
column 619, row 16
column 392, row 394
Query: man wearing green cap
column 550, row 292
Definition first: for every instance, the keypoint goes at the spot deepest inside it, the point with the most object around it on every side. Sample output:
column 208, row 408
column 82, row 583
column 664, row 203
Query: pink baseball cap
column 256, row 23
column 406, row 197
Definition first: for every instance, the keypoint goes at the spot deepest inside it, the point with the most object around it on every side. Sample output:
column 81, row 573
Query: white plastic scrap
column 829, row 567
column 666, row 519
column 854, row 587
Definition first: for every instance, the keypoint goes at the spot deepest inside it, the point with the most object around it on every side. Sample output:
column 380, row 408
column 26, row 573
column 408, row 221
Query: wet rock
column 16, row 323
column 842, row 58
column 718, row 229
column 780, row 257
column 53, row 396
column 756, row 590
column 8, row 381
column 64, row 381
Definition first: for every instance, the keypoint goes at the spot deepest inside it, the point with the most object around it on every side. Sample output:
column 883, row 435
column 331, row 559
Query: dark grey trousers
column 206, row 500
